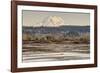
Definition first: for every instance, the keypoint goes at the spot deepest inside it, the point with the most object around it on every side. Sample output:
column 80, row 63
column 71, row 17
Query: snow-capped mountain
column 53, row 21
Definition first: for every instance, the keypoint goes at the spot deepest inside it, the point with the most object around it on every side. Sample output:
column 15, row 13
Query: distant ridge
column 60, row 29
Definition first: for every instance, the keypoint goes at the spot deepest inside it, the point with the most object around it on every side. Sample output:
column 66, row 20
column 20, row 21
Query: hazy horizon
column 50, row 19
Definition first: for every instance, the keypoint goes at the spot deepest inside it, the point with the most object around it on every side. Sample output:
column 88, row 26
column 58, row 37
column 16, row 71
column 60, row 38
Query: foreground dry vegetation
column 56, row 38
column 56, row 47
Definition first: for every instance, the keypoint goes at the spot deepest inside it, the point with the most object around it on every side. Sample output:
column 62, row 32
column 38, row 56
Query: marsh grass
column 84, row 38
